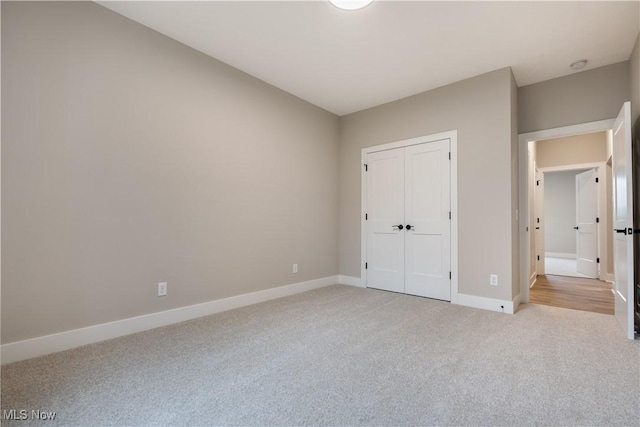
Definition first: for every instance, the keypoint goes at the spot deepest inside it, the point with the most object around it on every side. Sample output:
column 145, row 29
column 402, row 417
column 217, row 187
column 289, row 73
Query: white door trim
column 523, row 204
column 573, row 130
column 538, row 192
column 572, row 167
column 453, row 137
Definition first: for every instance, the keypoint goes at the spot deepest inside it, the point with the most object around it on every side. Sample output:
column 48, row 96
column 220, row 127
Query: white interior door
column 385, row 217
column 427, row 221
column 623, row 220
column 408, row 220
column 539, row 223
column 586, row 226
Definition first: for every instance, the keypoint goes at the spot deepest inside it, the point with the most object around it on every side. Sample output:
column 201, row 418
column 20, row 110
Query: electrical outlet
column 162, row 289
column 493, row 280
column 295, row 268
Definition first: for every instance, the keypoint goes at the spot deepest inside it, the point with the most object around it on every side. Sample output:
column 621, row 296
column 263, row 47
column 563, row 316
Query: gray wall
column 130, row 159
column 480, row 109
column 560, row 212
column 587, row 96
column 572, row 150
column 634, row 75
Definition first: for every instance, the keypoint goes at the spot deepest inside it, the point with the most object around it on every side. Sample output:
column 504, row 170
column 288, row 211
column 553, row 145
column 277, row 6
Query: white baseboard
column 351, row 281
column 559, row 255
column 486, row 303
column 21, row 350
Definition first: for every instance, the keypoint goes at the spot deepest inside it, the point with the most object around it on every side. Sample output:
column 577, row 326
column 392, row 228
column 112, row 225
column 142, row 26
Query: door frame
column 538, row 198
column 523, row 182
column 600, row 168
column 452, row 136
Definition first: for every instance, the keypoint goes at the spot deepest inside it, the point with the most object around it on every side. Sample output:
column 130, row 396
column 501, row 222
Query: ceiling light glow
column 350, row 4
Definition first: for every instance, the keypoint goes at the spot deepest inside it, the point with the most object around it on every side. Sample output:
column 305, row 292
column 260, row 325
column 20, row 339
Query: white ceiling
column 346, row 61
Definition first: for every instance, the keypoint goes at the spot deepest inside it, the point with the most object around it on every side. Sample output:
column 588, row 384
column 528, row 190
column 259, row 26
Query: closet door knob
column 410, row 227
column 399, row 227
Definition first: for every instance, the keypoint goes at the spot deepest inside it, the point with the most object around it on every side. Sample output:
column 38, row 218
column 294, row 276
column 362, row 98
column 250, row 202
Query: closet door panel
column 428, row 225
column 385, row 211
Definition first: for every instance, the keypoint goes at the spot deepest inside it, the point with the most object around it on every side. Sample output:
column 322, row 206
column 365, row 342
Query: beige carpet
column 345, row 356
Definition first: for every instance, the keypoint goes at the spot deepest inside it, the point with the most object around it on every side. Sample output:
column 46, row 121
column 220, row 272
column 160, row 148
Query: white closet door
column 385, row 211
column 427, row 223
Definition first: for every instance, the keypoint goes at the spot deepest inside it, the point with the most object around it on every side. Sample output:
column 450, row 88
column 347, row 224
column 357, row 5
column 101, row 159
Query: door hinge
column 597, row 179
column 526, row 229
column 538, row 257
column 366, row 265
column 597, row 260
column 366, row 217
column 538, row 220
column 366, row 167
column 597, row 219
column 538, row 182
column 449, row 275
column 449, row 155
column 449, row 214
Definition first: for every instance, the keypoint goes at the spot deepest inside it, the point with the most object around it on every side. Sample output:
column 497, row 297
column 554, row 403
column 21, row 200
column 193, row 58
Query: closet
column 408, row 220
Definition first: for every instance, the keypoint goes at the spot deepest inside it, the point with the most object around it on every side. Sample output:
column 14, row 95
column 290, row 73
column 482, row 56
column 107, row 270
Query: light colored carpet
column 562, row 267
column 345, row 356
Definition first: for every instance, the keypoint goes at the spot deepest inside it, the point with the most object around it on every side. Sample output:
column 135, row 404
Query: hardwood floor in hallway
column 573, row 292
